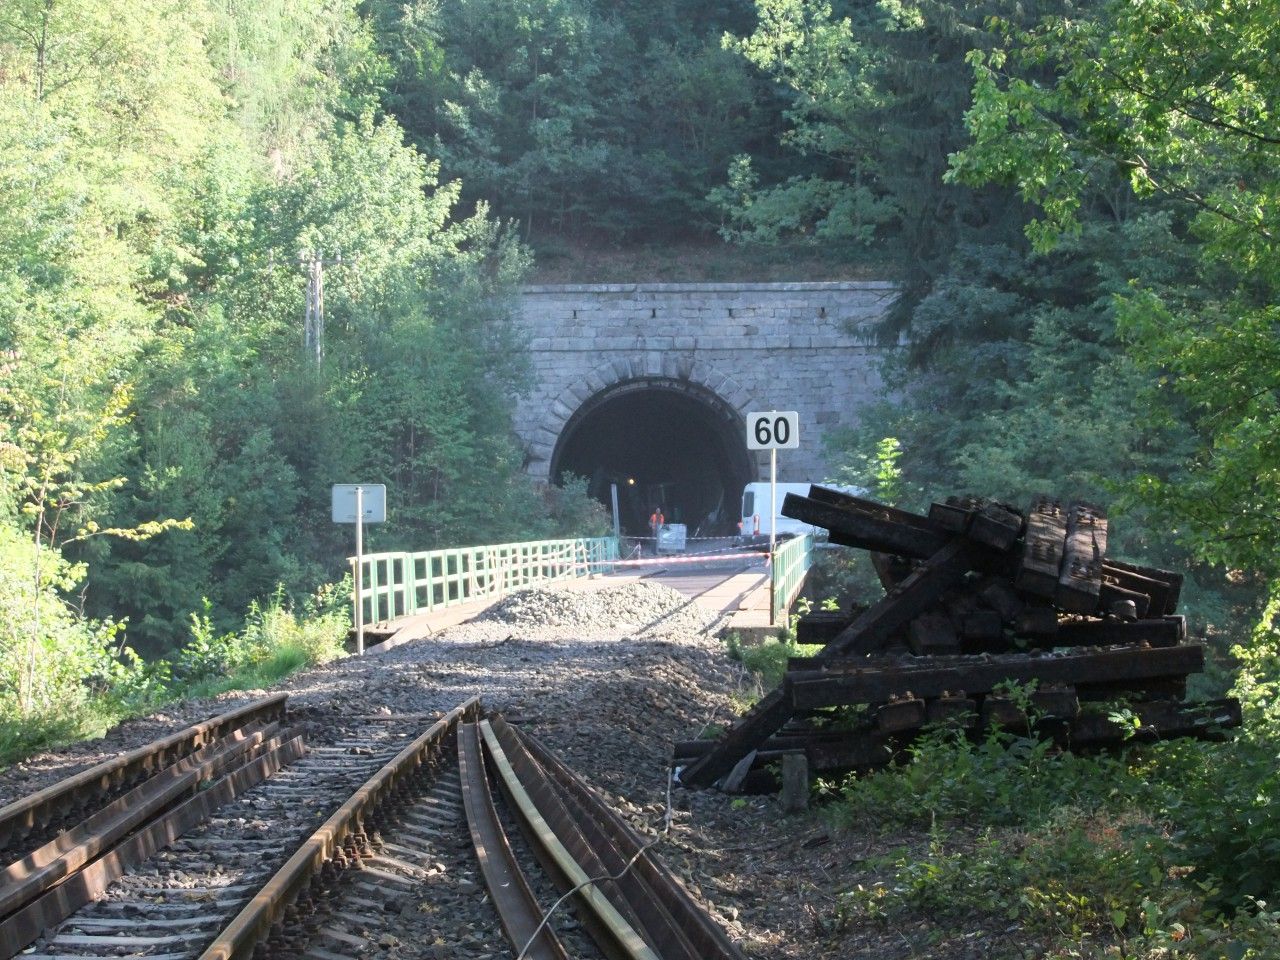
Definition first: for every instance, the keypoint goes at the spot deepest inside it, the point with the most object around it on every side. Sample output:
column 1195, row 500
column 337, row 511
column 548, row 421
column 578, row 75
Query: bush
column 52, row 660
column 768, row 660
column 83, row 682
column 1000, row 781
column 317, row 630
column 276, row 640
column 1084, row 885
column 1160, row 851
column 1037, row 880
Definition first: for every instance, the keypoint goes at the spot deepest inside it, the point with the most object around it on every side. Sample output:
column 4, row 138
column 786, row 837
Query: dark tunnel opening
column 664, row 443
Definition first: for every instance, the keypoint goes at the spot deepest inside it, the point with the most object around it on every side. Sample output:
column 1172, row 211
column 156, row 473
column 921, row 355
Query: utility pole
column 313, row 329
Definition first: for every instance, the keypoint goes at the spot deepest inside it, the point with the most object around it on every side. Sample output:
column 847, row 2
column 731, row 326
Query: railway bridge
column 645, row 385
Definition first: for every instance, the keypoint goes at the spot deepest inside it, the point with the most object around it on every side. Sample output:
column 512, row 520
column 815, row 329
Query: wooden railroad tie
column 976, row 594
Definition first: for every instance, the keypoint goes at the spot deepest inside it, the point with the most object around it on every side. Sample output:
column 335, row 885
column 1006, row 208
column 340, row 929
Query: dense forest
column 167, row 445
column 1079, row 200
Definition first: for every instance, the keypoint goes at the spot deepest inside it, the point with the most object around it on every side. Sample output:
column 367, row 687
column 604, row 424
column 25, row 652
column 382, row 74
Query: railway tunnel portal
column 666, row 443
column 647, row 385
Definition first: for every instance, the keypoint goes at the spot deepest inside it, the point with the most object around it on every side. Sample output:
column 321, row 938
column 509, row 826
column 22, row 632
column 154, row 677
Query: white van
column 755, row 508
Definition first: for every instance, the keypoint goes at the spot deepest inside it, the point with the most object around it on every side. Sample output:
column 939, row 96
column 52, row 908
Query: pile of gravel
column 640, row 607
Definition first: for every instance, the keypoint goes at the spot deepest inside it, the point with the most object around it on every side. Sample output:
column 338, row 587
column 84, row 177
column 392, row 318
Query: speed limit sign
column 773, row 430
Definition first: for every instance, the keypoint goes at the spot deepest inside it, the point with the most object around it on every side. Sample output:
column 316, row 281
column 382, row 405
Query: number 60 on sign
column 773, row 430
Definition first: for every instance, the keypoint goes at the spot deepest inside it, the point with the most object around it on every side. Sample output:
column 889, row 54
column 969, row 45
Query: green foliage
column 1258, row 680
column 1025, row 370
column 87, row 683
column 1170, row 846
column 275, row 641
column 845, row 577
column 872, row 465
column 1081, row 886
column 576, row 117
column 1035, row 882
column 1176, row 99
column 161, row 168
column 1001, row 780
column 21, row 738
column 767, row 660
column 1141, row 87
column 51, row 659
column 317, row 629
column 1026, row 363
column 876, row 95
column 888, row 475
column 1020, row 373
column 572, row 512
column 1238, row 842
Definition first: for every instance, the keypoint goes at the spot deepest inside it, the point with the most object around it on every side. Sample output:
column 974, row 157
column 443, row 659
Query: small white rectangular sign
column 373, row 497
column 773, row 430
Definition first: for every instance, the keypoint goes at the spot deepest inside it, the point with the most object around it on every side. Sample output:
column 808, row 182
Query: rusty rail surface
column 64, row 875
column 645, row 896
column 66, row 853
column 19, row 818
column 566, row 857
column 518, row 911
column 253, row 925
column 696, row 930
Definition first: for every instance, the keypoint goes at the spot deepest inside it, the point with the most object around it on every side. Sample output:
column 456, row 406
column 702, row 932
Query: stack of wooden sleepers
column 991, row 617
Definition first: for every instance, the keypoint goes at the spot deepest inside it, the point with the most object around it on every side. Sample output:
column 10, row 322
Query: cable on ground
column 667, row 818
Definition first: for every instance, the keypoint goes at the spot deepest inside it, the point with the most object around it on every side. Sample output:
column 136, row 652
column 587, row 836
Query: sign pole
column 359, row 570
column 773, row 430
column 773, row 523
column 617, row 525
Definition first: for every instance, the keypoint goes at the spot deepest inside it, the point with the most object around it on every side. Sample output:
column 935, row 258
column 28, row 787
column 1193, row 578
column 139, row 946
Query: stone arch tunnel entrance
column 664, row 442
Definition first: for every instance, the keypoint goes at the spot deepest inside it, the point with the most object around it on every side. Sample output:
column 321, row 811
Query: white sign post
column 773, row 430
column 359, row 504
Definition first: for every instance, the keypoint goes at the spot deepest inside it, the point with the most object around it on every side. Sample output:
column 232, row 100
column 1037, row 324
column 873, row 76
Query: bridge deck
column 736, row 589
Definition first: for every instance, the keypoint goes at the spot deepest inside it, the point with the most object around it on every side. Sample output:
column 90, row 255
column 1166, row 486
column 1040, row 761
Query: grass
column 276, row 641
column 21, row 739
column 1135, row 856
column 768, row 660
column 279, row 664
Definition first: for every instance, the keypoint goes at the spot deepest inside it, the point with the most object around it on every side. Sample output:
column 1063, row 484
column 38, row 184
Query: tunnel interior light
column 631, row 481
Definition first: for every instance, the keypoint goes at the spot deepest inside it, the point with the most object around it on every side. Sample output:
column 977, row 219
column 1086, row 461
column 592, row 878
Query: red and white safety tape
column 695, row 558
column 688, row 539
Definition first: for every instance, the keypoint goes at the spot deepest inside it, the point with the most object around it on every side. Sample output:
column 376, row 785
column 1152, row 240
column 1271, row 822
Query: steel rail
column 19, row 818
column 668, row 919
column 627, row 889
column 254, row 923
column 518, row 910
column 40, row 870
column 571, row 865
column 697, row 931
column 25, row 926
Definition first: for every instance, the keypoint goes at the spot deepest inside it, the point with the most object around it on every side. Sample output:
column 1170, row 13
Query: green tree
column 164, row 166
column 245, row 433
column 877, row 99
column 1179, row 98
column 1016, row 377
column 577, row 117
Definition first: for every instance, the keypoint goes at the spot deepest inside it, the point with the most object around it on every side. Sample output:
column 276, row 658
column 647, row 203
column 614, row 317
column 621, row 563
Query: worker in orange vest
column 656, row 520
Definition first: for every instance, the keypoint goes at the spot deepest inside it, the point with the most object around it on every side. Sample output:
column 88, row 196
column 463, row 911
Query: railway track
column 205, row 860
column 33, row 820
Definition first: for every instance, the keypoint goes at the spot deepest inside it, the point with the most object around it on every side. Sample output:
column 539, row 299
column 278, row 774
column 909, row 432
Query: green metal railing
column 401, row 584
column 791, row 561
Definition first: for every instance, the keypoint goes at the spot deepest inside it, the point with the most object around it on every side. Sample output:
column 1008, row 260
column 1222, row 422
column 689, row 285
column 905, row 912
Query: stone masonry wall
column 784, row 346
